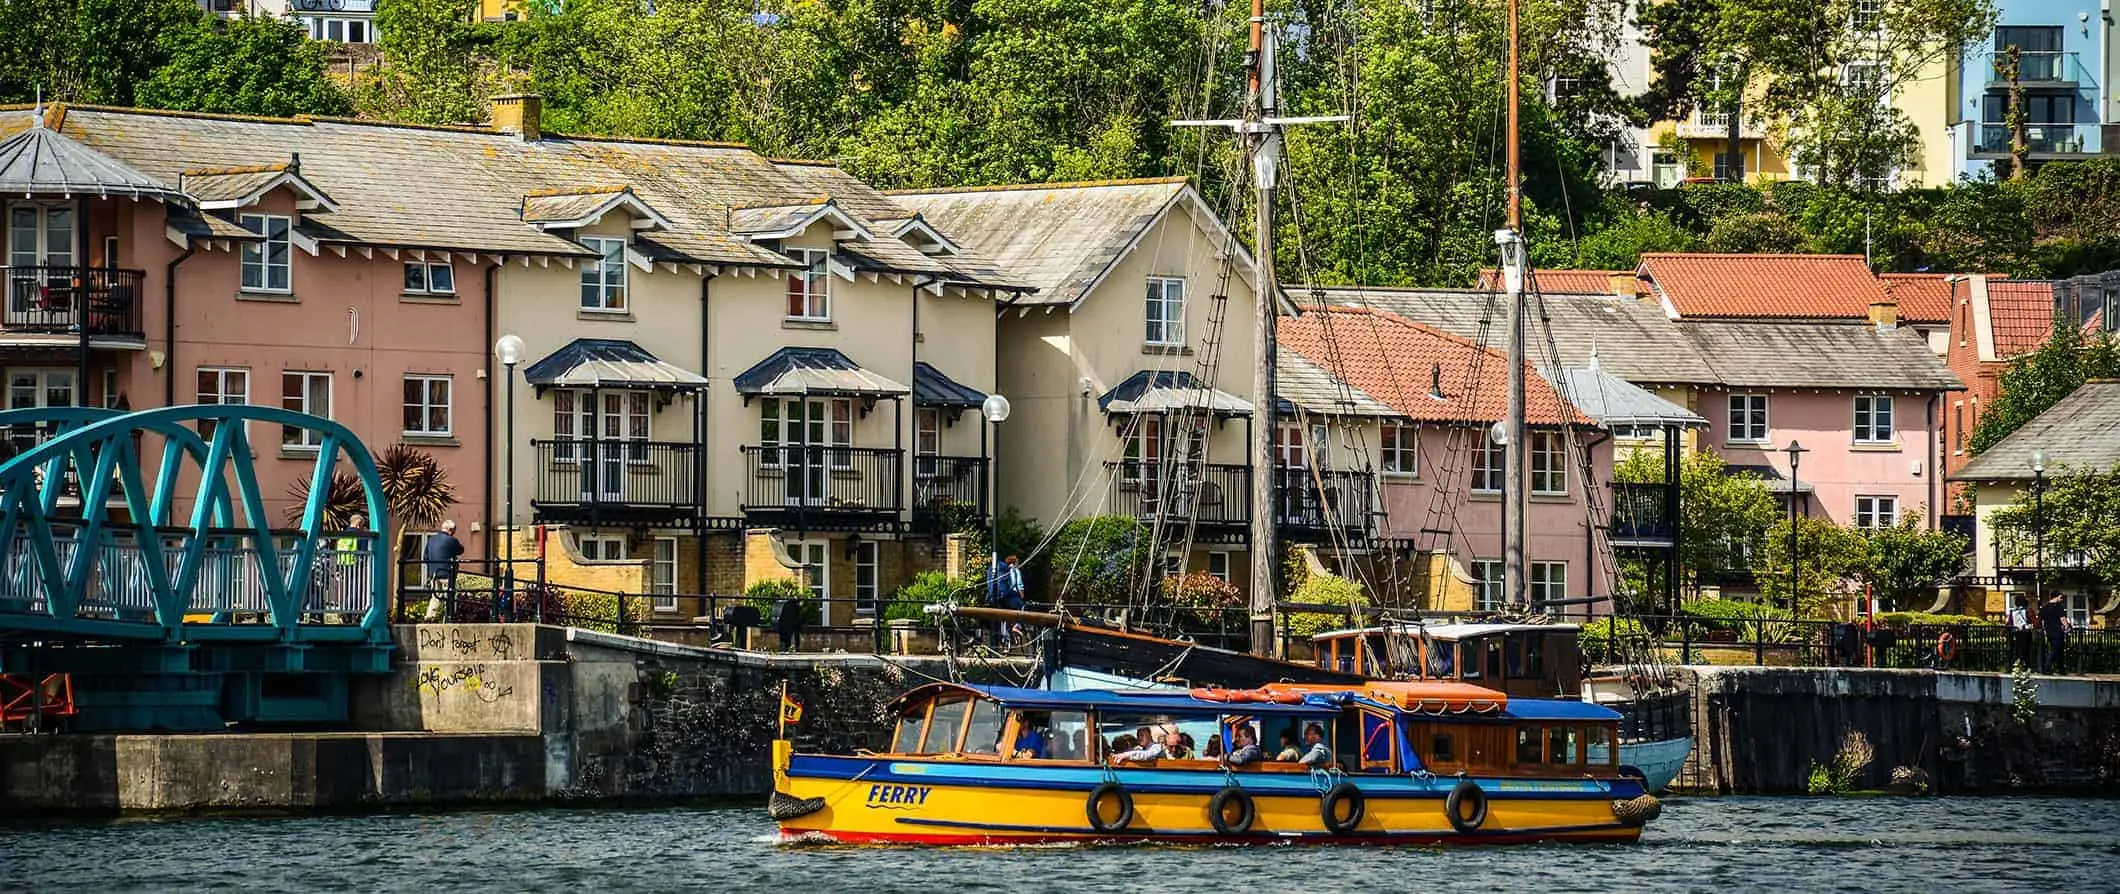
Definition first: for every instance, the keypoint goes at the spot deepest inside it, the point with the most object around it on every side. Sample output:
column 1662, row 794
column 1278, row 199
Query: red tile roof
column 2021, row 313
column 1395, row 359
column 1559, row 282
column 1801, row 286
column 1922, row 297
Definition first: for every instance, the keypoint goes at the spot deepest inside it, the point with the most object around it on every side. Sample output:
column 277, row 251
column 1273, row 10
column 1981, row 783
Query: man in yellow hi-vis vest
column 347, row 550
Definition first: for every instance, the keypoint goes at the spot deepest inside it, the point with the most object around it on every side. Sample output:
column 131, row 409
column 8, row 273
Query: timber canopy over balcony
column 591, row 478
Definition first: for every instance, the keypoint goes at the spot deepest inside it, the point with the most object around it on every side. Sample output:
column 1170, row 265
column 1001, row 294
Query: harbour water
column 1700, row 844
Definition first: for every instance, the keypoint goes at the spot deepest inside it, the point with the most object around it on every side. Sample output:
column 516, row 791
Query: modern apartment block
column 2053, row 53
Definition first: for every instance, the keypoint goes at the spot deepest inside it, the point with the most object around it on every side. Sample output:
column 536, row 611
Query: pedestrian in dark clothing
column 2053, row 618
column 443, row 551
column 1004, row 589
column 2021, row 634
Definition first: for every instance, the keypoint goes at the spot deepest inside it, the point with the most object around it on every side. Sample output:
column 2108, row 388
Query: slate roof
column 1631, row 339
column 2021, row 314
column 608, row 363
column 1559, row 282
column 1166, row 391
column 1061, row 238
column 2077, row 434
column 1397, row 362
column 827, row 371
column 1922, row 297
column 39, row 161
column 1818, row 354
column 464, row 188
column 1299, row 382
column 1734, row 285
column 208, row 225
column 1614, row 401
column 933, row 389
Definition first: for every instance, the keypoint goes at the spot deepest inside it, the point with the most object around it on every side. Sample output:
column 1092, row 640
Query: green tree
column 432, row 63
column 1619, row 244
column 2079, row 513
column 1907, row 561
column 1831, row 559
column 1723, row 518
column 2036, row 381
column 1762, row 232
column 90, row 51
column 250, row 66
column 1098, row 560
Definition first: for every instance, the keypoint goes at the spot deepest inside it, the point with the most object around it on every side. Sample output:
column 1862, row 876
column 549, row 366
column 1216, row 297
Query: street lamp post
column 2038, row 530
column 509, row 351
column 1795, row 452
column 995, row 410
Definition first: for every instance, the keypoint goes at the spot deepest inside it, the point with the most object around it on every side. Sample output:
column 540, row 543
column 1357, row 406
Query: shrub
column 1324, row 589
column 765, row 594
column 1098, row 560
column 1903, row 620
column 1613, row 639
column 1200, row 600
column 1740, row 619
column 925, row 589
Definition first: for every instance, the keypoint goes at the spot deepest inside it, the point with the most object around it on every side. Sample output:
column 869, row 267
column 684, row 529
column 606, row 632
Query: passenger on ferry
column 1030, row 743
column 1315, row 754
column 1123, row 743
column 1185, row 747
column 1288, row 750
column 1168, row 747
column 1214, row 747
column 1247, row 751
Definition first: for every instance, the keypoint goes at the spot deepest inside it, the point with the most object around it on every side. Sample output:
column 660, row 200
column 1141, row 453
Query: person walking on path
column 442, row 553
column 2053, row 619
column 1004, row 589
column 2020, row 632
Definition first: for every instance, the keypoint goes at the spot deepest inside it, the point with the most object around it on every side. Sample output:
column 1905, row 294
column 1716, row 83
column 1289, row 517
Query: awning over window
column 609, row 363
column 933, row 389
column 1166, row 391
column 820, row 371
column 1614, row 401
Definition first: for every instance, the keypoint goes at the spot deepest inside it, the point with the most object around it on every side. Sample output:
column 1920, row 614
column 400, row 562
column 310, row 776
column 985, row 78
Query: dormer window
column 604, row 277
column 810, row 288
column 266, row 262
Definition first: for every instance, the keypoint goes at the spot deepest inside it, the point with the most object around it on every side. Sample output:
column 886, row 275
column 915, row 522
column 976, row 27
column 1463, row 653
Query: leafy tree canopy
column 161, row 54
column 2077, row 514
column 1723, row 518
column 1831, row 560
column 2036, row 381
column 1908, row 561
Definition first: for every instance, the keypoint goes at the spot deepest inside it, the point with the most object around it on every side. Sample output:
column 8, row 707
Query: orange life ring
column 1216, row 694
column 1946, row 647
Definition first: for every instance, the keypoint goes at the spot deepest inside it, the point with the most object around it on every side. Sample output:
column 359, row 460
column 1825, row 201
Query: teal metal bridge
column 141, row 559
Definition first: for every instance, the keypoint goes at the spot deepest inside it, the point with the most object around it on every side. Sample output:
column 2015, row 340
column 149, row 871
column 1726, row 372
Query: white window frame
column 1549, row 582
column 258, row 255
column 836, row 424
column 601, row 547
column 1399, row 449
column 2078, row 606
column 662, row 574
column 1487, row 583
column 1489, row 478
column 228, row 382
column 424, row 272
column 1142, row 451
column 603, row 279
column 867, row 575
column 1743, row 429
column 927, row 442
column 294, row 437
column 1874, row 420
column 1218, row 564
column 1163, row 315
column 577, row 418
column 815, row 554
column 1549, row 464
column 427, row 405
column 1873, row 10
column 1874, row 512
column 812, row 285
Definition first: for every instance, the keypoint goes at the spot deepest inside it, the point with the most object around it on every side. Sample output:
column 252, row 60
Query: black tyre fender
column 1218, row 811
column 1097, row 797
column 1454, row 806
column 1329, row 808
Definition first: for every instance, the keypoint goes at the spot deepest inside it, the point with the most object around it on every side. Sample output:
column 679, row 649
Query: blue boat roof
column 1557, row 709
column 1142, row 700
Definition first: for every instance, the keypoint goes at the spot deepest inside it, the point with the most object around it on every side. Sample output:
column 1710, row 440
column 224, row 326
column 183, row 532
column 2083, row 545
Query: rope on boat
column 1637, row 811
column 783, row 807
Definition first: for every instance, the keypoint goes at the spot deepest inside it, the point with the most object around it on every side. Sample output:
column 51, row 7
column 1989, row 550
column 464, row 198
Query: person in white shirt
column 1315, row 754
column 1164, row 747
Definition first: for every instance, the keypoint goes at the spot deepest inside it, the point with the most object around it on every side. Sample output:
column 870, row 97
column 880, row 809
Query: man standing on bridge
column 443, row 550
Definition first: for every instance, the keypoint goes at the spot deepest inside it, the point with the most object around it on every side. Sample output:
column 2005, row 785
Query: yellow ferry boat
column 1375, row 763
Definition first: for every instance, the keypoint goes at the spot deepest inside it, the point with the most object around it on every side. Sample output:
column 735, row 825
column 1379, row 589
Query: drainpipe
column 169, row 325
column 492, row 276
column 699, row 439
column 1935, row 484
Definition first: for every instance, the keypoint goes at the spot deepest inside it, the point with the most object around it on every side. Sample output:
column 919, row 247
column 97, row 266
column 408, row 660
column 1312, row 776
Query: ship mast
column 1261, row 131
column 1513, row 430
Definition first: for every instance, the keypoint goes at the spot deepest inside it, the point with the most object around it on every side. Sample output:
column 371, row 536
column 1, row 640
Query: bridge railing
column 231, row 579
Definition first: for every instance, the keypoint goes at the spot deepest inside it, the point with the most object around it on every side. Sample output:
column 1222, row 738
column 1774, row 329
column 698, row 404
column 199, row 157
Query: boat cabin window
column 944, row 725
column 911, row 725
column 1379, row 741
column 1442, row 748
column 1553, row 746
column 1051, row 735
column 982, row 735
column 1597, row 747
column 1561, row 745
column 1119, row 732
column 1442, row 661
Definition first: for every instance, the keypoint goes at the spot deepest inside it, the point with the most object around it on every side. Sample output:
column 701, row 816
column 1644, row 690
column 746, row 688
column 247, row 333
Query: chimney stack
column 1885, row 313
column 518, row 113
column 1624, row 285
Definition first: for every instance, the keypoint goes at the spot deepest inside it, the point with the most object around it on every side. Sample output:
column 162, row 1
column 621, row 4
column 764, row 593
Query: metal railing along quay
column 1778, row 642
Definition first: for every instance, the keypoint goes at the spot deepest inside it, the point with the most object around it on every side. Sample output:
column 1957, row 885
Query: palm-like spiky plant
column 342, row 502
column 416, row 490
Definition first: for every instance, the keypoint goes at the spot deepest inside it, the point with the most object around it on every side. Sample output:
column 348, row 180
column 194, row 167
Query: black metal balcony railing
column 823, row 486
column 60, row 299
column 948, row 492
column 1320, row 503
column 615, row 482
column 2040, row 139
column 1641, row 514
column 1214, row 494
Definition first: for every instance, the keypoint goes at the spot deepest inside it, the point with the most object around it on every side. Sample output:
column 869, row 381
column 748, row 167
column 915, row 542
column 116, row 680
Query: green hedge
column 765, row 594
column 1924, row 619
column 928, row 588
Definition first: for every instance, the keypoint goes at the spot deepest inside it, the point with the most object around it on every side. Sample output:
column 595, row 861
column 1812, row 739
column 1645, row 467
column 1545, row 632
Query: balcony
column 1705, row 125
column 1324, row 506
column 2039, row 69
column 2042, row 140
column 1641, row 515
column 46, row 300
column 949, row 492
column 618, row 483
column 823, row 488
column 1219, row 497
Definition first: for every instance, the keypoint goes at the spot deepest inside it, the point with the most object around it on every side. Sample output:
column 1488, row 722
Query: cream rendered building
column 1143, row 296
